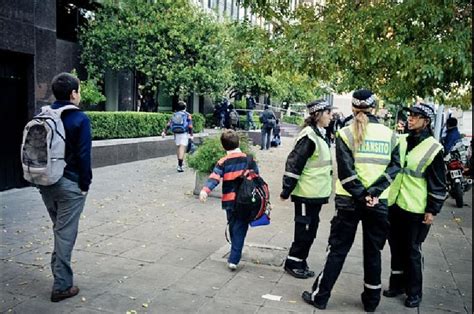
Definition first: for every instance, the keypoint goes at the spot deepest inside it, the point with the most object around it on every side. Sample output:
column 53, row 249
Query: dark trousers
column 407, row 233
column 306, row 227
column 343, row 229
column 238, row 230
column 266, row 134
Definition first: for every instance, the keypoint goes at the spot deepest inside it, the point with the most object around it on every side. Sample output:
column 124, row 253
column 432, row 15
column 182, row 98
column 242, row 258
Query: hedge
column 298, row 120
column 109, row 125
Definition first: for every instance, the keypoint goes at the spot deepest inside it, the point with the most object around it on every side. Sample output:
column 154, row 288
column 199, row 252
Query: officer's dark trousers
column 306, row 226
column 407, row 233
column 343, row 230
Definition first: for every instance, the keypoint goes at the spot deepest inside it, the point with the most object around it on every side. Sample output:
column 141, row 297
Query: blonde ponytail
column 359, row 126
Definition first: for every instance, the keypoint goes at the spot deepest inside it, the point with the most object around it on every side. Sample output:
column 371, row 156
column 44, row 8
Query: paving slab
column 145, row 243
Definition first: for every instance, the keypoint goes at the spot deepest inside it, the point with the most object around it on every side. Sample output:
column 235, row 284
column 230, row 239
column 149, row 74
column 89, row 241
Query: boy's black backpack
column 252, row 195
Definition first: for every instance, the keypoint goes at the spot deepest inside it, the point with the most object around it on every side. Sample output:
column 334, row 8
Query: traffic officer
column 415, row 197
column 308, row 179
column 367, row 160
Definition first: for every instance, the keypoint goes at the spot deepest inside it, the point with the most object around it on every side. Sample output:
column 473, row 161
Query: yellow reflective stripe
column 373, row 161
column 291, row 175
column 412, row 173
column 426, row 157
column 349, row 179
column 394, row 140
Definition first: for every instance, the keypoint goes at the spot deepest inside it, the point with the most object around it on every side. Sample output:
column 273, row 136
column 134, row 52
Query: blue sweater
column 78, row 145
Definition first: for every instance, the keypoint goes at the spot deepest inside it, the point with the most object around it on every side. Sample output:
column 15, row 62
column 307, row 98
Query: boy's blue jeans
column 238, row 230
column 65, row 203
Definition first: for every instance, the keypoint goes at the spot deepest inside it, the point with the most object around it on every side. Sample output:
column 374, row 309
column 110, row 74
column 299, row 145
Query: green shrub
column 240, row 104
column 109, row 125
column 210, row 151
column 256, row 121
column 298, row 120
column 91, row 95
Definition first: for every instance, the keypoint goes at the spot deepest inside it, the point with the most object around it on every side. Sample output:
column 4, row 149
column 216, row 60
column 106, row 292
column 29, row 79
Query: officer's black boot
column 413, row 301
column 395, row 286
column 298, row 269
column 370, row 299
column 316, row 303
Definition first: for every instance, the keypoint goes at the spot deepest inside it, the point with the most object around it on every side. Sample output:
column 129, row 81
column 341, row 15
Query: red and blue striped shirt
column 229, row 168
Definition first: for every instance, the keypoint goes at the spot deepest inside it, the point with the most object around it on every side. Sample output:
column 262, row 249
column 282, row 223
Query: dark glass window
column 70, row 16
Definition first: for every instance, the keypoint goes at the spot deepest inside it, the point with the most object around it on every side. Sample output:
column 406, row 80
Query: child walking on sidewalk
column 229, row 169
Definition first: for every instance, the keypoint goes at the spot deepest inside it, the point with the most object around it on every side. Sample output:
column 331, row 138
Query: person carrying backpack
column 276, row 141
column 233, row 117
column 181, row 124
column 308, row 180
column 229, row 169
column 56, row 157
column 268, row 120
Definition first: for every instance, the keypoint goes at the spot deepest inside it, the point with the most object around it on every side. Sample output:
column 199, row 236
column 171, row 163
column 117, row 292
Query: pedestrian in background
column 181, row 124
column 229, row 168
column 268, row 120
column 367, row 161
column 65, row 199
column 276, row 141
column 308, row 180
column 416, row 196
column 452, row 134
column 250, row 106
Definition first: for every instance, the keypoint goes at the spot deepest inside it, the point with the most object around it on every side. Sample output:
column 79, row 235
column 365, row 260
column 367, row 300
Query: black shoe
column 57, row 296
column 391, row 293
column 299, row 273
column 307, row 298
column 413, row 301
column 368, row 307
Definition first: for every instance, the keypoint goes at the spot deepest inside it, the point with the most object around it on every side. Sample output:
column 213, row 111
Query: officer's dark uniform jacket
column 295, row 164
column 345, row 169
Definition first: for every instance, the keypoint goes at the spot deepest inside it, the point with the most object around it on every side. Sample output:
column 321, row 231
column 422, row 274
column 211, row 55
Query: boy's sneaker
column 232, row 266
column 180, row 169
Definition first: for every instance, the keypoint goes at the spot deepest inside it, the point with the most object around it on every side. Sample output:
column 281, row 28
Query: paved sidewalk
column 147, row 245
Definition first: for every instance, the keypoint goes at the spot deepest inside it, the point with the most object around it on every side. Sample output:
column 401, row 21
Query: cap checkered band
column 426, row 109
column 365, row 103
column 318, row 107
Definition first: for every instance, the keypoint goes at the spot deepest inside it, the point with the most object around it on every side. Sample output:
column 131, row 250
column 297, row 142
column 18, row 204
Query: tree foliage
column 171, row 43
column 400, row 49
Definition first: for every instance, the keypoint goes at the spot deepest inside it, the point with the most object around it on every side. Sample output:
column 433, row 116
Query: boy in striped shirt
column 230, row 168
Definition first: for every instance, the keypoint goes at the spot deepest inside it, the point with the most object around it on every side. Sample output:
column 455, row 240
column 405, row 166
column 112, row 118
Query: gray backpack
column 43, row 148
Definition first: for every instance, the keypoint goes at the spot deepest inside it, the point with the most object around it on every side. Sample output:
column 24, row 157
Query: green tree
column 400, row 49
column 249, row 50
column 172, row 44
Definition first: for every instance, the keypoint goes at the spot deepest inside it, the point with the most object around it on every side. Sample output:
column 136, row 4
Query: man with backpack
column 56, row 156
column 268, row 120
column 181, row 125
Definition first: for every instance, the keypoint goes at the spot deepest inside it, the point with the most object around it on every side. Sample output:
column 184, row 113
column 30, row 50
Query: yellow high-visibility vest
column 409, row 190
column 371, row 158
column 316, row 179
